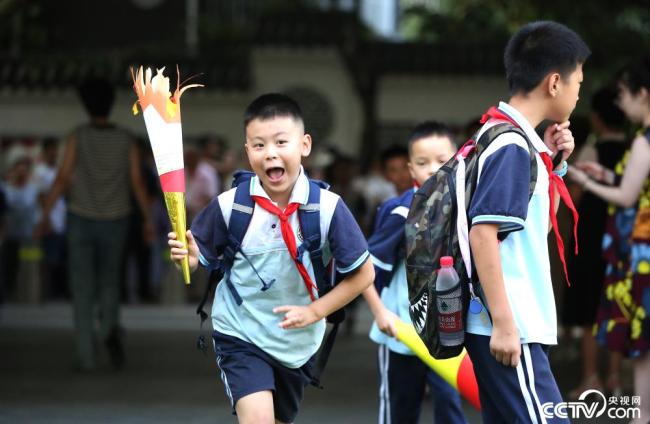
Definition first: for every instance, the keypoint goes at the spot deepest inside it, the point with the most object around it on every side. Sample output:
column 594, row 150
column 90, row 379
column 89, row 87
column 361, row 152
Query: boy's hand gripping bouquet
column 162, row 117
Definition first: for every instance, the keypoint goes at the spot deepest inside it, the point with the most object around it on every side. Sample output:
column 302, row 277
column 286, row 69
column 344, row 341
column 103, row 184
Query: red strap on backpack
column 555, row 182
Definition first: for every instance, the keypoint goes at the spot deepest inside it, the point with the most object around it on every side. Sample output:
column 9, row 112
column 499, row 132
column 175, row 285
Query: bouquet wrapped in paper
column 162, row 117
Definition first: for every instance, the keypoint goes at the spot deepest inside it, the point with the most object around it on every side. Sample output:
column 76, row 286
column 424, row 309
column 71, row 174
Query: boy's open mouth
column 275, row 174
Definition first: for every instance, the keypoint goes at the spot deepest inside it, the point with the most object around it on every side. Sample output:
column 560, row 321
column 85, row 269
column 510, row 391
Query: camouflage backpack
column 437, row 225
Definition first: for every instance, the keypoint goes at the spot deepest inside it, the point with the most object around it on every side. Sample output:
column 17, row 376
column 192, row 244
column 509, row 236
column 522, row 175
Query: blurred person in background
column 138, row 285
column 623, row 321
column 159, row 258
column 202, row 186
column 388, row 177
column 229, row 162
column 211, row 148
column 342, row 175
column 53, row 242
column 394, row 167
column 587, row 270
column 202, row 181
column 98, row 181
column 21, row 197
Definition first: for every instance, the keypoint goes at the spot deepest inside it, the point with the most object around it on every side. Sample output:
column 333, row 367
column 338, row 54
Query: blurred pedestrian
column 202, row 181
column 394, row 167
column 21, row 196
column 98, row 181
column 587, row 270
column 624, row 324
column 53, row 243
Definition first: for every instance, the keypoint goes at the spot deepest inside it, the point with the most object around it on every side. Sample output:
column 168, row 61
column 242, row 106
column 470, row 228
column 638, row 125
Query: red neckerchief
column 288, row 236
column 555, row 182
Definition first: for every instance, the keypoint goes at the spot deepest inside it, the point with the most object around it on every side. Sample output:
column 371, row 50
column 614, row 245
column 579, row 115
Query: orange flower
column 155, row 92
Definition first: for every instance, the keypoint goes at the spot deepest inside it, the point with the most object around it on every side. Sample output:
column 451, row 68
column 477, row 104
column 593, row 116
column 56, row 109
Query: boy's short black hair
column 392, row 152
column 603, row 104
column 429, row 129
column 636, row 75
column 539, row 48
column 97, row 96
column 271, row 105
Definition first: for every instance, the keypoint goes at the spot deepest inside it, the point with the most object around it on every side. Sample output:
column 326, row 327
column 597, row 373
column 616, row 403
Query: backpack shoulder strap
column 493, row 132
column 309, row 217
column 240, row 218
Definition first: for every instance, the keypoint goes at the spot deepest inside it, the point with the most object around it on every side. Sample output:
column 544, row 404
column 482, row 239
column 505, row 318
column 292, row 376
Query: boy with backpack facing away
column 508, row 338
column 268, row 313
column 403, row 376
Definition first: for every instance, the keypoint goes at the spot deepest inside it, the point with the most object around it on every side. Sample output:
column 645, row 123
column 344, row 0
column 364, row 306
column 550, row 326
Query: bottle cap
column 446, row 261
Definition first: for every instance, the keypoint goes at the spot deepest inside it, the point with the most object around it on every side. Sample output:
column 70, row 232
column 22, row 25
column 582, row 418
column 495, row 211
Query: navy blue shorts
column 247, row 369
column 513, row 395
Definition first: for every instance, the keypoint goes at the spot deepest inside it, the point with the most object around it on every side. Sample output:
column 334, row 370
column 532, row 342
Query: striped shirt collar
column 537, row 142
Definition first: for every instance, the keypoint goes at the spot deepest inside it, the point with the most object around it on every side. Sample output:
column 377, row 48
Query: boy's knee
column 256, row 408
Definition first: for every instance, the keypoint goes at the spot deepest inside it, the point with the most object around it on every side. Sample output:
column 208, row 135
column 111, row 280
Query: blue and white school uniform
column 402, row 375
column 502, row 197
column 253, row 322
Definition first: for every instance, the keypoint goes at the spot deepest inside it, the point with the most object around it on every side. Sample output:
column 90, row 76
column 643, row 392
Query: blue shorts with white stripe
column 247, row 369
column 513, row 395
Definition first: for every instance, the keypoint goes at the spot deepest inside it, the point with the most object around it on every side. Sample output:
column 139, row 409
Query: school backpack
column 309, row 218
column 437, row 226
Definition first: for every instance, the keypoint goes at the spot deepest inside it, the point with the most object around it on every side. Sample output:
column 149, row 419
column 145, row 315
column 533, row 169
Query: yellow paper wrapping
column 175, row 203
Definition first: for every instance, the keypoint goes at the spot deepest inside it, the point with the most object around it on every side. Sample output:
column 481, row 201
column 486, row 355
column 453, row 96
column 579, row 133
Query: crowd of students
column 270, row 309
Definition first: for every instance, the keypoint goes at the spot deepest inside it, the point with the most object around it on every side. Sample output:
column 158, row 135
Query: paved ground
column 166, row 379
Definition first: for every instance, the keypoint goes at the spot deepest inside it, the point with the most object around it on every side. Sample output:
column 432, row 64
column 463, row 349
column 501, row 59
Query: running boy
column 508, row 345
column 403, row 376
column 266, row 339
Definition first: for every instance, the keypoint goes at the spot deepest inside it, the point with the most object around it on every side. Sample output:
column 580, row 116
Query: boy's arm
column 350, row 250
column 384, row 318
column 504, row 342
column 383, row 246
column 338, row 297
column 634, row 176
column 499, row 206
column 63, row 176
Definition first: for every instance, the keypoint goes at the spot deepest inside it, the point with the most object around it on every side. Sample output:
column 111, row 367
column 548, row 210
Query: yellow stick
column 175, row 202
column 446, row 368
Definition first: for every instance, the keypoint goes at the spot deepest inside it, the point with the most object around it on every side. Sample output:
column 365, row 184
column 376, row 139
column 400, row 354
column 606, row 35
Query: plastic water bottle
column 448, row 298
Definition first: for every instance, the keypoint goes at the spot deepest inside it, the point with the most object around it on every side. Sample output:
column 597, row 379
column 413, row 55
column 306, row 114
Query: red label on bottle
column 450, row 323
